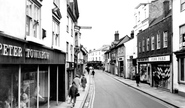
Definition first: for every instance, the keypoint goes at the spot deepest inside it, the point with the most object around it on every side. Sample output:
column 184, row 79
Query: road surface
column 110, row 93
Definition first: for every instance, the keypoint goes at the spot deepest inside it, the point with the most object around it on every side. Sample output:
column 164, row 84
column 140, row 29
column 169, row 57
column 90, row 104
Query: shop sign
column 16, row 51
column 31, row 53
column 10, row 50
column 160, row 58
column 143, row 60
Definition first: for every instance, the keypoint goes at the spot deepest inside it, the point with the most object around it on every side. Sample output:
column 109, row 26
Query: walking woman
column 83, row 82
column 137, row 79
column 73, row 91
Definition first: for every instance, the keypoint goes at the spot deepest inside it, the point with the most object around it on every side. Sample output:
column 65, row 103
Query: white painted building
column 178, row 45
column 38, row 28
column 128, row 54
column 141, row 16
column 98, row 55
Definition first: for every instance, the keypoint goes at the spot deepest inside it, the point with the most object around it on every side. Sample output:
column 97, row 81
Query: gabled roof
column 159, row 19
column 123, row 40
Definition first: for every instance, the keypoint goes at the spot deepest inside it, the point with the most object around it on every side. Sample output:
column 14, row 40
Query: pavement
column 80, row 101
column 173, row 99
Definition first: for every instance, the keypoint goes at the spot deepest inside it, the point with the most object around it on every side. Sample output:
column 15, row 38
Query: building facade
column 98, row 55
column 178, row 46
column 32, row 61
column 155, row 51
column 121, row 56
column 71, row 37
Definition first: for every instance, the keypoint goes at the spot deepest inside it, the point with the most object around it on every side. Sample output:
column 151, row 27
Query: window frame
column 180, row 72
column 67, row 26
column 158, row 41
column 152, row 43
column 182, row 3
column 56, row 3
column 143, row 45
column 165, row 39
column 181, row 36
column 33, row 16
column 139, row 47
column 71, row 49
column 148, row 44
column 56, row 33
column 67, row 50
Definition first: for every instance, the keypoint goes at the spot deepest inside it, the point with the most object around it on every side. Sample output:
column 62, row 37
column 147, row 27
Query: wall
column 10, row 22
column 143, row 23
column 178, row 20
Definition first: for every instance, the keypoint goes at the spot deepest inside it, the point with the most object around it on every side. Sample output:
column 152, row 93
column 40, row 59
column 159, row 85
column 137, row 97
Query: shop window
column 8, row 86
column 181, row 70
column 30, row 84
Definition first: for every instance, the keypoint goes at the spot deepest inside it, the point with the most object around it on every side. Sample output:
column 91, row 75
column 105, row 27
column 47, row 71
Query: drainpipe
column 172, row 50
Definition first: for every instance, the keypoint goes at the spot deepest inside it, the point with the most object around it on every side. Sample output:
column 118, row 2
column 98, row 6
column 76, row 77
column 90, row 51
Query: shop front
column 70, row 73
column 161, row 71
column 30, row 75
column 144, row 70
column 121, row 71
column 156, row 71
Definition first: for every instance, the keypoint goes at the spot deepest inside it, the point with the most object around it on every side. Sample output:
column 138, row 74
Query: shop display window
column 28, row 93
column 8, row 86
column 29, row 81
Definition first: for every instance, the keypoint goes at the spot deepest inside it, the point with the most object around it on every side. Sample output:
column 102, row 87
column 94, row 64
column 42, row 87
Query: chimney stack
column 116, row 35
column 132, row 34
column 166, row 7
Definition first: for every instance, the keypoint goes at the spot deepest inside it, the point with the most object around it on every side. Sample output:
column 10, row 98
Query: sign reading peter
column 17, row 51
column 10, row 50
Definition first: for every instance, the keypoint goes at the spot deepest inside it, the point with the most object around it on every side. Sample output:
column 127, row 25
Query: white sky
column 105, row 17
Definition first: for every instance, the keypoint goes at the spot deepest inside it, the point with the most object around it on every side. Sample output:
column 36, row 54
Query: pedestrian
column 77, row 81
column 137, row 79
column 103, row 69
column 73, row 91
column 93, row 73
column 87, row 68
column 83, row 82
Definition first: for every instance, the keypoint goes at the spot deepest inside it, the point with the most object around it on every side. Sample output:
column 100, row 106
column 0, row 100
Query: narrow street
column 110, row 93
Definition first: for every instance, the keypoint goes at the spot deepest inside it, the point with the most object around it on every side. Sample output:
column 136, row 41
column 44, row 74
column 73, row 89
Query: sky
column 105, row 17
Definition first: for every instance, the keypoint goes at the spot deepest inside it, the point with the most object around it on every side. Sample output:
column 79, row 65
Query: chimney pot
column 116, row 36
column 166, row 7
